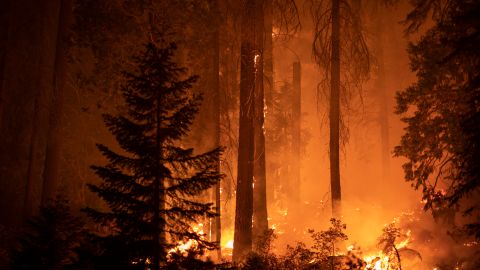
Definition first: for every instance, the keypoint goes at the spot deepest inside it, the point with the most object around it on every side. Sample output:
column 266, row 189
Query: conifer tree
column 50, row 239
column 152, row 184
column 339, row 48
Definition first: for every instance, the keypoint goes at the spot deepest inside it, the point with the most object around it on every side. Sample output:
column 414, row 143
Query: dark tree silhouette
column 27, row 55
column 380, row 86
column 50, row 239
column 152, row 184
column 260, row 216
column 244, row 197
column 296, row 133
column 217, row 114
column 441, row 109
column 51, row 171
column 340, row 50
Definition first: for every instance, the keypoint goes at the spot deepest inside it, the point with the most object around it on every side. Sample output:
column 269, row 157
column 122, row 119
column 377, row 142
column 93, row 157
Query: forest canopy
column 239, row 134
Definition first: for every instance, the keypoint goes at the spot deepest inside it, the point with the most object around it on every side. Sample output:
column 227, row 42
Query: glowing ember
column 229, row 244
column 256, row 59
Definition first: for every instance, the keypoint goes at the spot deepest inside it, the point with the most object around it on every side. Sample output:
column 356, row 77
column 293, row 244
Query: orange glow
column 183, row 247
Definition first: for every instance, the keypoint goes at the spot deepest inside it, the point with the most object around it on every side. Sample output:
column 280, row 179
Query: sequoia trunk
column 244, row 197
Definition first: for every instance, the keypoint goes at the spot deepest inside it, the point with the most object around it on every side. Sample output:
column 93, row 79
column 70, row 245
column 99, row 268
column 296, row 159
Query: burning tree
column 387, row 242
column 244, row 196
column 150, row 186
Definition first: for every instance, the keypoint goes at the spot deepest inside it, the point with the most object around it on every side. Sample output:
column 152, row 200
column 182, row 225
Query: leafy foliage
column 325, row 242
column 387, row 243
column 50, row 240
column 298, row 257
column 264, row 243
column 159, row 111
column 319, row 256
column 441, row 109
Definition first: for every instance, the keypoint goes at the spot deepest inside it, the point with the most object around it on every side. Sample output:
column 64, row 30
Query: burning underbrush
column 413, row 240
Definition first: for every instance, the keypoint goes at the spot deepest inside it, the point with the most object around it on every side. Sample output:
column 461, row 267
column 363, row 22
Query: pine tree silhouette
column 152, row 186
column 50, row 239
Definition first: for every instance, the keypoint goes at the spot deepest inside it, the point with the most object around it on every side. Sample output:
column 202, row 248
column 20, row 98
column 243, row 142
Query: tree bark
column 260, row 222
column 334, row 114
column 244, row 197
column 216, row 113
column 51, row 177
column 158, row 195
column 28, row 200
column 268, row 83
column 41, row 85
column 20, row 67
column 296, row 132
column 4, row 27
column 159, row 236
column 380, row 86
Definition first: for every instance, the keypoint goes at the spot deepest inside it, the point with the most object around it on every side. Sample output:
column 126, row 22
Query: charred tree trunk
column 216, row 113
column 296, row 132
column 260, row 222
column 51, row 177
column 334, row 114
column 244, row 197
column 268, row 83
column 268, row 51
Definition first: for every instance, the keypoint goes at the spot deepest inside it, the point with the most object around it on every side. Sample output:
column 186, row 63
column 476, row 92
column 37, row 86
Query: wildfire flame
column 380, row 260
column 227, row 243
column 184, row 246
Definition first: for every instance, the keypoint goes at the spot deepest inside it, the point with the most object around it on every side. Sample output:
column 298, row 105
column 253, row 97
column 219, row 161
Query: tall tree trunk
column 28, row 201
column 244, row 197
column 51, row 177
column 216, row 113
column 260, row 222
column 43, row 89
column 4, row 27
column 159, row 234
column 268, row 83
column 158, row 196
column 334, row 114
column 20, row 67
column 382, row 94
column 296, row 132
